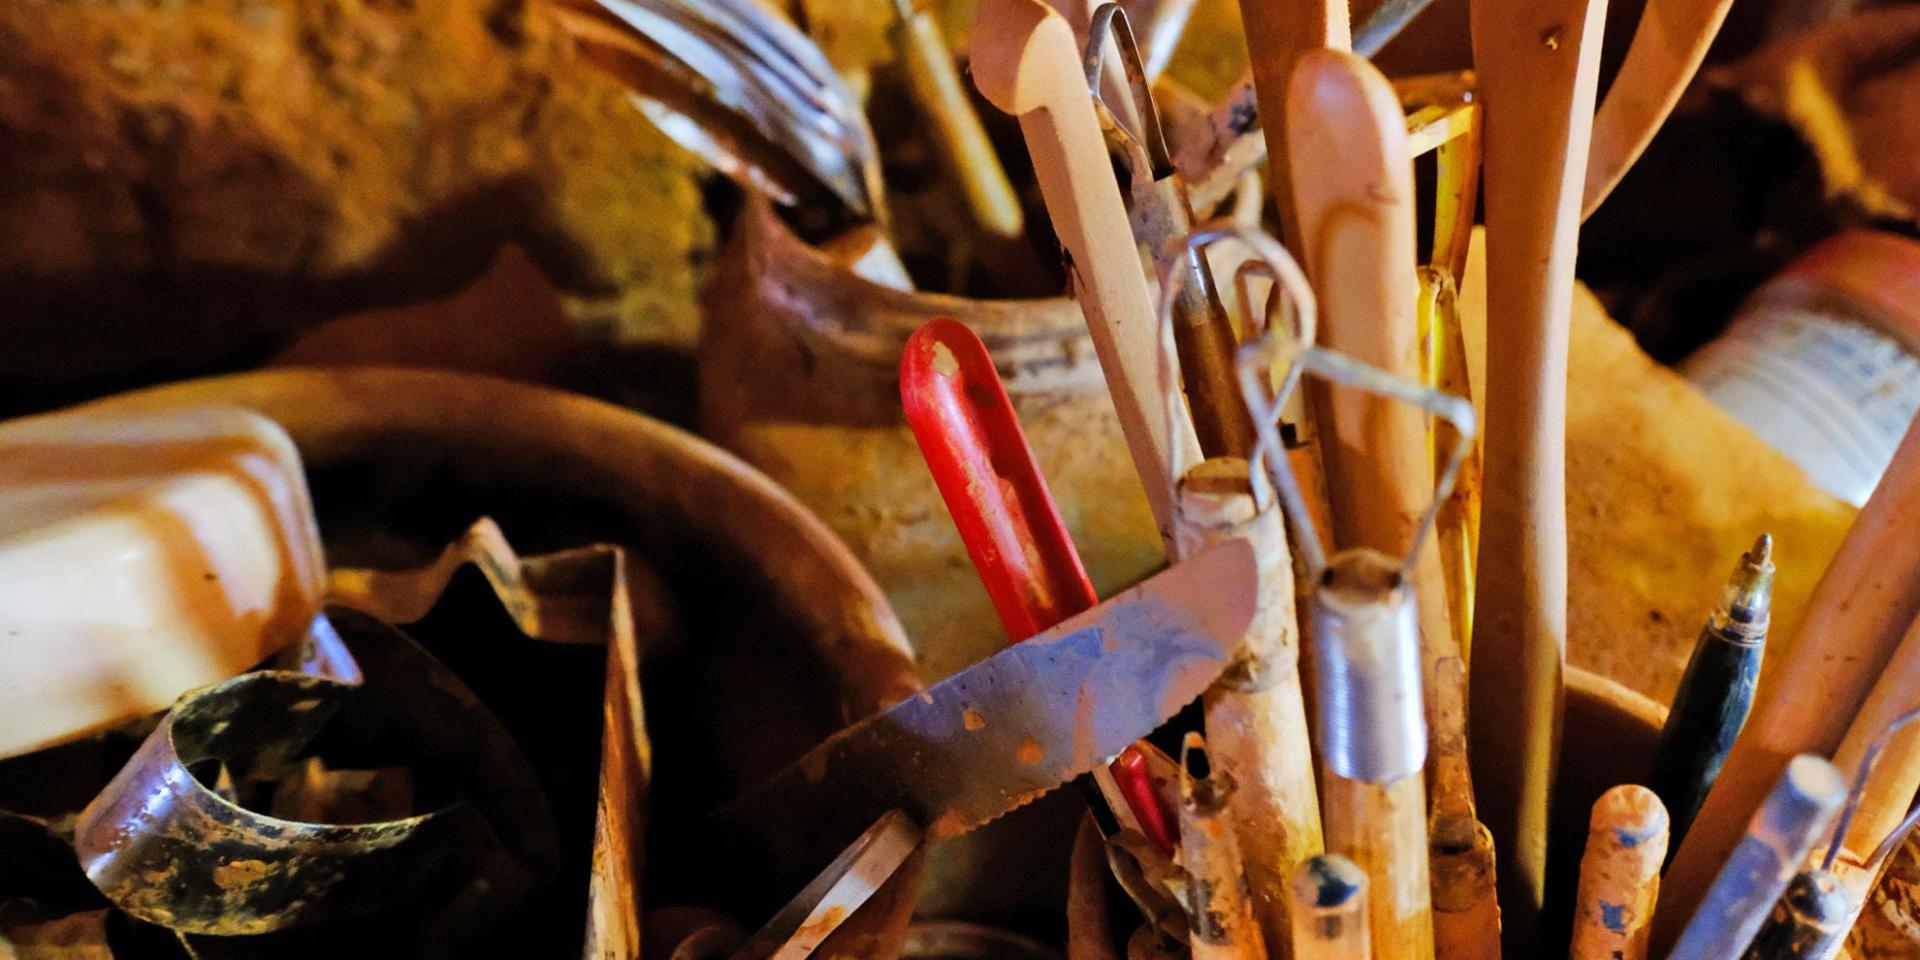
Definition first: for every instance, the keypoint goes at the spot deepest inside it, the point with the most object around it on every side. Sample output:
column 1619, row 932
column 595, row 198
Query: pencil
column 1619, row 875
column 1219, row 916
column 1330, row 910
column 1716, row 691
column 1800, row 808
column 1856, row 617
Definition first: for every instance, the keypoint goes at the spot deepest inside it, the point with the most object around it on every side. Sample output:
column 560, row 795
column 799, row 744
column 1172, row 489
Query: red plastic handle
column 980, row 459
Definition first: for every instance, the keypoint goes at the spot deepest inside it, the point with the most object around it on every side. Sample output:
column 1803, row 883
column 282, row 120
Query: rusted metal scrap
column 168, row 848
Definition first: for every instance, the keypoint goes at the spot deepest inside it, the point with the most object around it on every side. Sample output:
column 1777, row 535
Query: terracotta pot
column 799, row 376
column 780, row 636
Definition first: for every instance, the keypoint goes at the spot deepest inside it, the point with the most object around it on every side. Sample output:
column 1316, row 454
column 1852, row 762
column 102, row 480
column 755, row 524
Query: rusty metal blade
column 1002, row 732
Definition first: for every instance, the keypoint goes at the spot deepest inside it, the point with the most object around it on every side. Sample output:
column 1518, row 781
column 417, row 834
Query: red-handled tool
column 986, row 473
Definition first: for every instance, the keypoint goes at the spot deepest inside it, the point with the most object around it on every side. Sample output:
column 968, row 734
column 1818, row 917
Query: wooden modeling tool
column 1026, row 63
column 1716, row 691
column 934, row 83
column 1857, row 616
column 1371, row 732
column 1330, row 910
column 1619, row 875
column 1881, row 743
column 972, row 442
column 1668, row 46
column 1220, row 917
column 1537, row 68
column 1278, row 32
column 1799, row 809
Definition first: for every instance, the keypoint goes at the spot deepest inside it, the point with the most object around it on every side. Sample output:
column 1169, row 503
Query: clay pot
column 799, row 375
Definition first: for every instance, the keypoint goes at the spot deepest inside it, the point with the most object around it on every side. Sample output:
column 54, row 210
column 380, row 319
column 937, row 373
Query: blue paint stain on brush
column 1614, row 916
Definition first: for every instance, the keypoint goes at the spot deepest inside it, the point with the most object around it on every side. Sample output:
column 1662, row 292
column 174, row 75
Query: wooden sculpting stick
column 1619, row 875
column 1330, row 911
column 1278, row 32
column 1668, row 46
column 1353, row 193
column 1855, row 619
column 1025, row 62
column 1537, row 63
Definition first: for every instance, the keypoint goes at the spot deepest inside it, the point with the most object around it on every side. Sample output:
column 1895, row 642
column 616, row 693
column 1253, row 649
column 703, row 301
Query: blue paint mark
column 1628, row 838
column 1614, row 916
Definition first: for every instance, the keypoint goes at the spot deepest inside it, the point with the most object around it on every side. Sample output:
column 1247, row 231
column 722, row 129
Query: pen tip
column 1762, row 552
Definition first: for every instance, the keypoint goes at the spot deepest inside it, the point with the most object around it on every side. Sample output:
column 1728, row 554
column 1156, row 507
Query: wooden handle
column 1619, row 875
column 1890, row 787
column 1667, row 49
column 1220, row 918
column 936, row 87
column 1330, row 911
column 1383, row 829
column 1466, row 911
column 1537, row 63
column 1025, row 62
column 1851, row 626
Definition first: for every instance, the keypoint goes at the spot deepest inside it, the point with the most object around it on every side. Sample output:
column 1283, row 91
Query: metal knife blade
column 1013, row 727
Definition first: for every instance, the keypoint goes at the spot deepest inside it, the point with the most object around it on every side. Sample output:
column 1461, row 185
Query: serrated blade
column 1013, row 727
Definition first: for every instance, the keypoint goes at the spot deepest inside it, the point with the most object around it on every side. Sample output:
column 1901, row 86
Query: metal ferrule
column 1367, row 650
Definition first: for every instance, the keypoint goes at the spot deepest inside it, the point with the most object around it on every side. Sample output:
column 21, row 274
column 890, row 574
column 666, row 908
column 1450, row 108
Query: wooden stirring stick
column 1854, row 621
column 1278, row 32
column 1026, row 63
column 1667, row 48
column 1537, row 63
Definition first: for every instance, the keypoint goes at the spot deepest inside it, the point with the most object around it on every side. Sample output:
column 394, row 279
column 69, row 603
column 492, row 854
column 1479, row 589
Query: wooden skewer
column 1220, row 918
column 1537, row 64
column 1858, row 613
column 1619, row 875
column 1256, row 716
column 1668, row 46
column 1330, row 910
column 1278, row 32
column 1026, row 63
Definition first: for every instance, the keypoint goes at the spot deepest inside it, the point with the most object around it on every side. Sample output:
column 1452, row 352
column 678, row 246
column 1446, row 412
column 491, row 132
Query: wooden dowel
column 1537, row 69
column 1798, row 810
column 1857, row 616
column 1619, row 875
column 1220, row 917
column 1256, row 715
column 1330, row 910
column 1716, row 691
column 1025, row 62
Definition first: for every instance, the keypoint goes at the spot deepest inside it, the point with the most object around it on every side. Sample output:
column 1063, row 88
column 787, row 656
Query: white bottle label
column 1832, row 394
